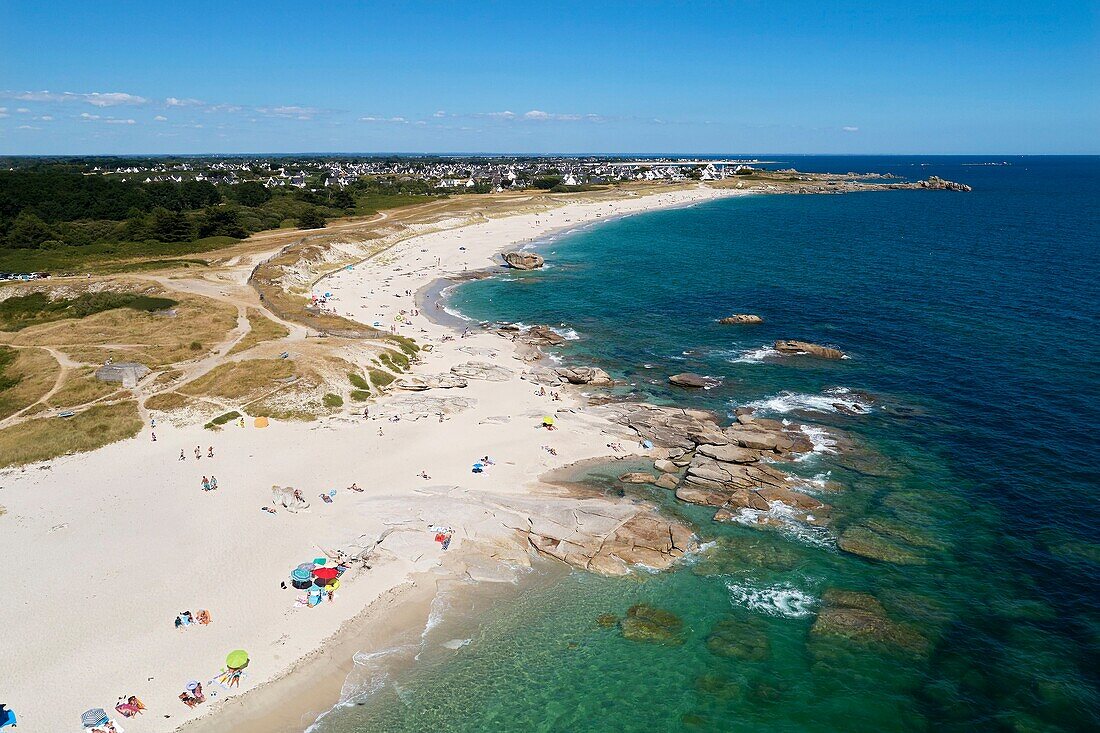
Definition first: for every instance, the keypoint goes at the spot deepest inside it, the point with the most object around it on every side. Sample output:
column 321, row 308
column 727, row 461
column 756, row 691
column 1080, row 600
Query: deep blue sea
column 971, row 321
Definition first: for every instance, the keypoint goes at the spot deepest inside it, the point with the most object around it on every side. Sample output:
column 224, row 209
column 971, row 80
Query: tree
column 28, row 231
column 341, row 199
column 171, row 226
column 251, row 193
column 219, row 221
column 311, row 218
column 547, row 182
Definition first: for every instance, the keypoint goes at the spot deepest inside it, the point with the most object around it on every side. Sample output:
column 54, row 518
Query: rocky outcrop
column 806, row 348
column 724, row 466
column 418, row 382
column 585, row 375
column 740, row 639
column 541, row 336
column 939, row 184
column 860, row 617
column 637, row 477
column 482, row 370
column 889, row 542
column 692, row 380
column 605, row 538
column 523, row 260
column 741, row 319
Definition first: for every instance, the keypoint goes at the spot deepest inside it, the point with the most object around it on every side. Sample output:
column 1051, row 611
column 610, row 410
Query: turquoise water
column 970, row 320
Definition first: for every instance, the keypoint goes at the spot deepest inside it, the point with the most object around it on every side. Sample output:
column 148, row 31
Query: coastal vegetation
column 48, row 437
column 21, row 311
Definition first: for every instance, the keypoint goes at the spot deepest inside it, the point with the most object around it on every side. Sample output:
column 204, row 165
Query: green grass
column 45, row 438
column 222, row 420
column 7, row 356
column 358, row 382
column 405, row 343
column 332, row 400
column 372, row 203
column 394, row 360
column 360, row 395
column 380, row 378
column 21, row 311
column 95, row 257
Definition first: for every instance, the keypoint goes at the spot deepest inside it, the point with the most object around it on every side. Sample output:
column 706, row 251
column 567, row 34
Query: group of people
column 198, row 453
column 209, row 484
column 186, row 618
column 193, row 695
column 130, row 706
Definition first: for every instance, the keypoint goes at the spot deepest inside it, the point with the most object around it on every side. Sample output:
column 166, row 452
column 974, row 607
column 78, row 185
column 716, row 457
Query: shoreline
column 146, row 543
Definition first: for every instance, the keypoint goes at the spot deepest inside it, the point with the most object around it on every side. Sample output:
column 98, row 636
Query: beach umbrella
column 320, row 560
column 299, row 574
column 326, row 573
column 192, row 685
column 94, row 717
column 548, row 420
column 237, row 659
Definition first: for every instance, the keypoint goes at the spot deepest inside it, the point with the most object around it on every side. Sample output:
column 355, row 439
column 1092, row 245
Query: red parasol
column 325, row 573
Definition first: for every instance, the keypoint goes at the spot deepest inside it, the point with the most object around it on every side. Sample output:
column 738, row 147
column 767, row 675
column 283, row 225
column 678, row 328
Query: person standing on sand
column 154, row 436
column 213, row 482
column 182, row 456
column 198, row 453
column 205, row 484
column 210, row 453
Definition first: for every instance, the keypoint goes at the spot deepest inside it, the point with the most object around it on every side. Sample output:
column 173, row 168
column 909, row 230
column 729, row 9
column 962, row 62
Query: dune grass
column 167, row 401
column 81, row 387
column 26, row 375
column 49, row 437
column 20, row 311
column 220, row 420
column 242, row 380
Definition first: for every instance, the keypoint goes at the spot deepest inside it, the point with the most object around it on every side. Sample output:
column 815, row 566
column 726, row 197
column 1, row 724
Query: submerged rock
column 653, row 625
column 807, row 348
column 741, row 319
column 740, row 555
column 523, row 260
column 860, row 617
column 607, row 620
column 637, row 477
column 739, row 638
column 861, row 540
column 719, row 686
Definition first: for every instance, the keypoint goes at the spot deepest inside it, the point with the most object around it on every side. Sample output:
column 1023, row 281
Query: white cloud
column 120, row 122
column 289, row 110
column 23, row 110
column 390, row 120
column 26, row 127
column 88, row 116
column 160, row 118
column 439, row 113
column 96, row 99
column 177, row 102
column 850, row 128
column 45, row 118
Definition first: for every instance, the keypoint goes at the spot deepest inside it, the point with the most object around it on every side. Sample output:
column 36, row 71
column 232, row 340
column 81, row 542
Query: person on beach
column 205, row 484
column 198, row 453
column 210, row 453
column 154, row 436
column 213, row 482
column 182, row 456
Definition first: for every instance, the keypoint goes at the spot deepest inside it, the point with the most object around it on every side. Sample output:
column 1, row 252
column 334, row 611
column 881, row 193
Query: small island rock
column 523, row 260
column 807, row 348
column 741, row 319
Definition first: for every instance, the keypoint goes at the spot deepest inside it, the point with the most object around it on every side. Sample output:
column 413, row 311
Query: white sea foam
column 822, row 440
column 455, row 644
column 788, row 521
column 781, row 599
column 566, row 333
column 754, row 356
column 825, row 402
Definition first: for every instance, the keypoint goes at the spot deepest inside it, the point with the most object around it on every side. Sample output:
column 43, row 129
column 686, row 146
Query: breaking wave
column 781, row 599
column 834, row 399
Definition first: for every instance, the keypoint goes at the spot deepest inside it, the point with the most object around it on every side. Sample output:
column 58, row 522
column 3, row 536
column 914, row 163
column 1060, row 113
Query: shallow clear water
column 971, row 321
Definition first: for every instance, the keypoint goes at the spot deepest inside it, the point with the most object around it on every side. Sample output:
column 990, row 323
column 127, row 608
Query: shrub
column 332, row 400
column 360, row 395
column 380, row 378
column 220, row 420
column 358, row 382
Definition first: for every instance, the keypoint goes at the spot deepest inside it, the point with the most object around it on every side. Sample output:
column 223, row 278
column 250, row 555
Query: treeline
column 54, row 209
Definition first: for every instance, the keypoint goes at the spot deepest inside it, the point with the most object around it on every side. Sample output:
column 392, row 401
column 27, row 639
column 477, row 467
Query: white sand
column 102, row 550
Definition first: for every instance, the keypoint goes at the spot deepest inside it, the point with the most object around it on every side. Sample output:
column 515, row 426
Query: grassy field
column 81, row 387
column 241, row 380
column 49, row 437
column 20, row 311
column 26, row 375
column 104, row 256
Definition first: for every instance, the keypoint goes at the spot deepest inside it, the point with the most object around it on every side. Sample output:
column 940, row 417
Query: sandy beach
column 110, row 546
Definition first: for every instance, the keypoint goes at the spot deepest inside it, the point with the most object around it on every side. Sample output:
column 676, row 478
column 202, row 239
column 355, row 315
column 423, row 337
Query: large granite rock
column 584, row 375
column 806, row 348
column 875, row 544
column 741, row 319
column 482, row 370
column 939, row 184
column 541, row 336
column 637, row 477
column 523, row 260
column 421, row 382
column 692, row 380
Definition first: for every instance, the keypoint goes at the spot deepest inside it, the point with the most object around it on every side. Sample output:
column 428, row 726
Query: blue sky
column 749, row 77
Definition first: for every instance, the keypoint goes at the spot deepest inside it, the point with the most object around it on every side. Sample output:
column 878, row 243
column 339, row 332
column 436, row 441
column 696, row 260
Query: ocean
column 970, row 321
